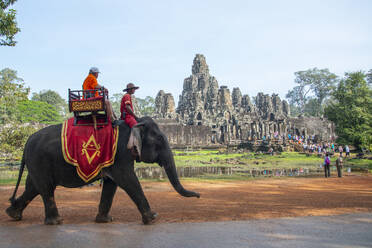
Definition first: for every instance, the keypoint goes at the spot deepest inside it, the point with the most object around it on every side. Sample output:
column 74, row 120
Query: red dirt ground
column 220, row 201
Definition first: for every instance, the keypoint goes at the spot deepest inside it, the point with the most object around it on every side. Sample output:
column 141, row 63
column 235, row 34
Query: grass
column 216, row 158
column 286, row 160
column 9, row 176
column 359, row 164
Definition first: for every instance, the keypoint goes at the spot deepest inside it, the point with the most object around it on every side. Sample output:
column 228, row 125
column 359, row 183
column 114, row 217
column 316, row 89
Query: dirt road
column 238, row 200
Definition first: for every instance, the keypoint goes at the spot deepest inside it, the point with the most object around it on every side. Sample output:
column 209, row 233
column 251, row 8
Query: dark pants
column 339, row 171
column 327, row 170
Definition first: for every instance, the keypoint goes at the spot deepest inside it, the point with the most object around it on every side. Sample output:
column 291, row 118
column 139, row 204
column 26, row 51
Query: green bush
column 13, row 137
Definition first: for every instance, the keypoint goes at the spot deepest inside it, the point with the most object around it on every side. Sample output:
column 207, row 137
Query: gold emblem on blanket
column 90, row 146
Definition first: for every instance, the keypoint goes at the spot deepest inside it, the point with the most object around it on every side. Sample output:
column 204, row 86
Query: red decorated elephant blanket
column 87, row 148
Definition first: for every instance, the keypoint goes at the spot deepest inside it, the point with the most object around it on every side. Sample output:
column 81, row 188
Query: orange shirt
column 90, row 83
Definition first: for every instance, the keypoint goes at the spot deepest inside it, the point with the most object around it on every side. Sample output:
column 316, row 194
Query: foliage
column 8, row 24
column 53, row 98
column 146, row 106
column 351, row 111
column 12, row 90
column 115, row 100
column 369, row 77
column 312, row 107
column 13, row 137
column 313, row 88
column 37, row 112
column 142, row 107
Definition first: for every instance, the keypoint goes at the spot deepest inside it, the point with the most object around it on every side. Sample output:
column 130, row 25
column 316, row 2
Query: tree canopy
column 146, row 106
column 12, row 91
column 8, row 24
column 313, row 88
column 351, row 110
column 37, row 112
column 53, row 98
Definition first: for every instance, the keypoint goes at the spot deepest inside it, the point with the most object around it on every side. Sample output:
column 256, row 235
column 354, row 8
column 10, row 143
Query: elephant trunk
column 170, row 169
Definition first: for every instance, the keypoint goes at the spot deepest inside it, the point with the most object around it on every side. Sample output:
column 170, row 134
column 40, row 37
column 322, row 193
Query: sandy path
column 222, row 201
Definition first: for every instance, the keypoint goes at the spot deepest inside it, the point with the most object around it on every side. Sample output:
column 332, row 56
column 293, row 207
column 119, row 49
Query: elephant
column 47, row 169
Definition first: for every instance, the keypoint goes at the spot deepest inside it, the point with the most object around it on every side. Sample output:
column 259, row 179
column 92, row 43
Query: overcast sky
column 254, row 45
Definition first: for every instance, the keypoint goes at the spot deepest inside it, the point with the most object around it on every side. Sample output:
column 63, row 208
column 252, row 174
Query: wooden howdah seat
column 88, row 108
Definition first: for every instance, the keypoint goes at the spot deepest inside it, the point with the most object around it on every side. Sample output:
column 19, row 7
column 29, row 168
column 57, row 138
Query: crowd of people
column 324, row 148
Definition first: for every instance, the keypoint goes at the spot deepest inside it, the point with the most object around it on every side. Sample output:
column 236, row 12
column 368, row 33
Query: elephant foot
column 53, row 221
column 14, row 213
column 104, row 218
column 149, row 218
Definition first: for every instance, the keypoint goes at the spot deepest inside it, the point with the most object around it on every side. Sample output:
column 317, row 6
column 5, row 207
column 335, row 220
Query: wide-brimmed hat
column 131, row 86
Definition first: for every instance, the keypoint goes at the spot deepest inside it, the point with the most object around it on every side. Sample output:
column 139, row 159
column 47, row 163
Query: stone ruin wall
column 209, row 115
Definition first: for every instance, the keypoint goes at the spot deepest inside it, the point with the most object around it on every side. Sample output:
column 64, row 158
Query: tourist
column 347, row 150
column 271, row 151
column 339, row 165
column 91, row 83
column 327, row 163
column 340, row 150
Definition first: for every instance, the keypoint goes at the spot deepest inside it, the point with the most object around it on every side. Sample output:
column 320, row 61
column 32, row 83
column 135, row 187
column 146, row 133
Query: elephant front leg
column 108, row 192
column 129, row 182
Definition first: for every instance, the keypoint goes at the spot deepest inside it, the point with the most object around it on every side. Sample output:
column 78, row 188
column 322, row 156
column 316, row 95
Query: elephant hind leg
column 17, row 206
column 46, row 189
column 51, row 212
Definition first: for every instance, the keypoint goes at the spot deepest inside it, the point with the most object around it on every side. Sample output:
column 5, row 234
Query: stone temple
column 209, row 115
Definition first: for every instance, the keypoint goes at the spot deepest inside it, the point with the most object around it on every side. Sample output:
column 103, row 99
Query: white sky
column 254, row 45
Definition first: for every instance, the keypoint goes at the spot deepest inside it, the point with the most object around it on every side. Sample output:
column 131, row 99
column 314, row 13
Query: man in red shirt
column 126, row 107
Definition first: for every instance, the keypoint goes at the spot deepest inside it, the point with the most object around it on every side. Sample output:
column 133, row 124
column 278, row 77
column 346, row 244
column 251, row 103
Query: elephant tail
column 21, row 168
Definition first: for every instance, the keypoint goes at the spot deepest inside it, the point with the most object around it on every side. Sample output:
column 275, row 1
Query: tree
column 369, row 77
column 12, row 91
column 8, row 24
column 146, row 106
column 312, row 107
column 37, row 112
column 314, row 87
column 53, row 98
column 142, row 107
column 298, row 97
column 351, row 111
column 115, row 100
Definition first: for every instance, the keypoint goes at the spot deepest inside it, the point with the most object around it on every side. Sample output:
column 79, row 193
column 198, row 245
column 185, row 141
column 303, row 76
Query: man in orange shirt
column 126, row 107
column 91, row 83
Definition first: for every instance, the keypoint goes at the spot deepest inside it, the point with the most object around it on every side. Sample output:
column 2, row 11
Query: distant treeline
column 347, row 101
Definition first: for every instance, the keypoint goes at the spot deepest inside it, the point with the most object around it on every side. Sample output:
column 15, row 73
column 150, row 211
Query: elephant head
column 150, row 145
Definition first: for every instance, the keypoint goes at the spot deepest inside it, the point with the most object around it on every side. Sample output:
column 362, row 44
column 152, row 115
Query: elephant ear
column 135, row 141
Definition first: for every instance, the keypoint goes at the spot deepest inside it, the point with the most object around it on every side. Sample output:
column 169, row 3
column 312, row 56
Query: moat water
column 10, row 170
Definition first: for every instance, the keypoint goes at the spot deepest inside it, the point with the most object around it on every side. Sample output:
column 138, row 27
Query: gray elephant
column 47, row 169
